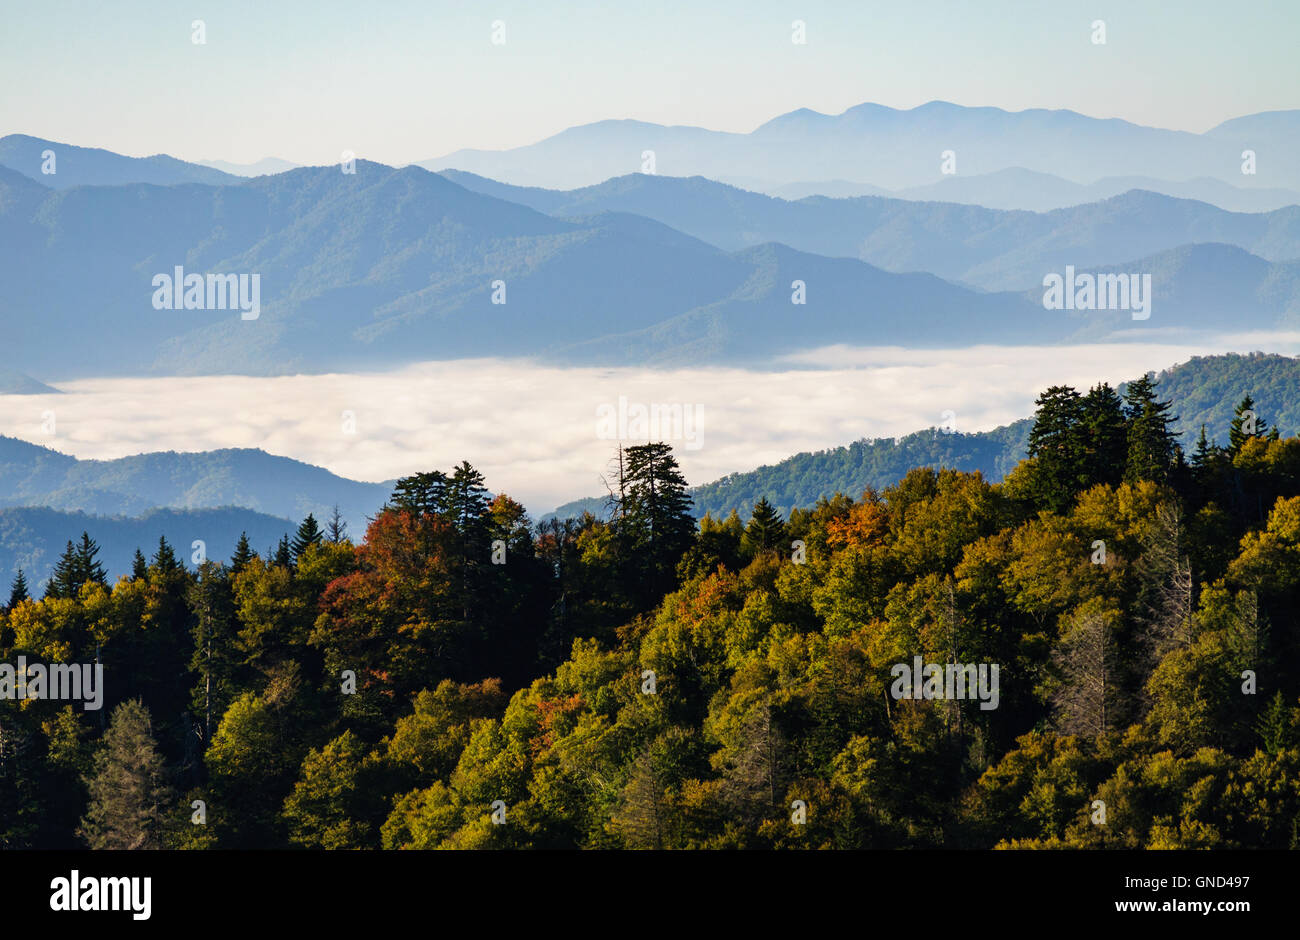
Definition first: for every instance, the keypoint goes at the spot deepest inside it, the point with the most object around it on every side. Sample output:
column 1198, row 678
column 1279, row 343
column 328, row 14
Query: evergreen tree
column 1246, row 423
column 283, row 556
column 766, row 530
column 64, row 581
column 164, row 560
column 466, row 508
column 129, row 798
column 1057, row 444
column 139, row 566
column 308, row 534
column 1152, row 448
column 466, row 499
column 88, row 566
column 1101, row 416
column 1204, row 453
column 243, row 555
column 18, row 592
column 422, row 494
column 655, row 523
column 78, row 565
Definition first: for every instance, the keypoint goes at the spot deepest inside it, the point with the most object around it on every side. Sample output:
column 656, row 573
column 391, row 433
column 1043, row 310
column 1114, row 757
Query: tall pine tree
column 1104, row 437
column 655, row 523
column 18, row 591
column 243, row 555
column 766, row 530
column 77, row 565
column 1152, row 449
column 164, row 560
column 308, row 534
column 1057, row 445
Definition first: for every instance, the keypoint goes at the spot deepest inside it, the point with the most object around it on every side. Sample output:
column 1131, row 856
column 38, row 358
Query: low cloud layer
column 534, row 430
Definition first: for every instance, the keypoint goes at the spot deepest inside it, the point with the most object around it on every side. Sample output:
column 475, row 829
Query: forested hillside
column 462, row 678
column 32, row 475
column 1202, row 391
column 1205, row 390
column 33, row 538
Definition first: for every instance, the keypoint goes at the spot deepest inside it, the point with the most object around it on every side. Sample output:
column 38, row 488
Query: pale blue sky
column 402, row 81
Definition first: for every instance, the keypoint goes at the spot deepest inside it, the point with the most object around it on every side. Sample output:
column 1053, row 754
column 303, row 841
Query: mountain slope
column 1018, row 188
column 90, row 166
column 385, row 267
column 31, row 475
column 392, row 266
column 991, row 249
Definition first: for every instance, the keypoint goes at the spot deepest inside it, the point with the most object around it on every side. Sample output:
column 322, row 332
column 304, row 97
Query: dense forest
column 458, row 677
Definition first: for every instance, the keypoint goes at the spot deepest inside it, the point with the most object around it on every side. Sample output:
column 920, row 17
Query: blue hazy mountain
column 264, row 167
column 987, row 248
column 31, row 475
column 388, row 266
column 1018, row 188
column 1206, row 288
column 90, row 166
column 16, row 383
column 895, row 149
column 33, row 538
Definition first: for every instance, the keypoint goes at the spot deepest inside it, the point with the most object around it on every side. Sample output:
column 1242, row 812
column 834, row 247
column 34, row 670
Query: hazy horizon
column 327, row 80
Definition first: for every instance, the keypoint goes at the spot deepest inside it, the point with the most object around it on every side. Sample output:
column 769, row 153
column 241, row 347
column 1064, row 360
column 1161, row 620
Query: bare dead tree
column 1167, row 616
column 1087, row 699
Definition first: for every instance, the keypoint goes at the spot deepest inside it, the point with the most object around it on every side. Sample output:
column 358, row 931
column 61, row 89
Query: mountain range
column 896, row 149
column 92, row 166
column 989, row 249
column 1018, row 188
column 32, row 475
column 388, row 266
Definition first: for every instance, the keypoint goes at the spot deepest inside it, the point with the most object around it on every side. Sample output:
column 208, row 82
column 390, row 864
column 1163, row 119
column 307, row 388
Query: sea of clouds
column 532, row 429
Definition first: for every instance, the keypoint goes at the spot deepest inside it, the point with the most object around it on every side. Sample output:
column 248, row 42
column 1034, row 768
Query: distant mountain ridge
column 392, row 266
column 32, row 475
column 896, row 149
column 1018, row 188
column 991, row 249
column 91, row 166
